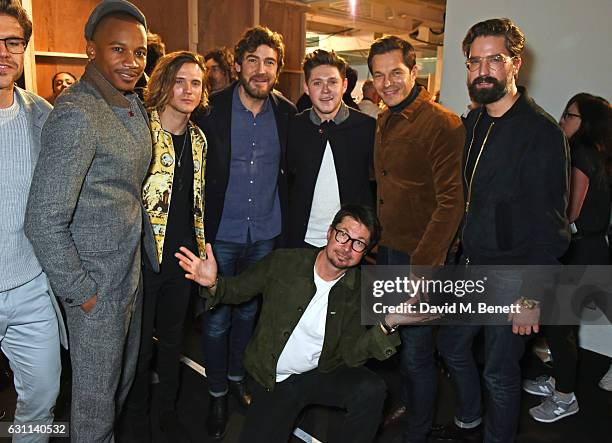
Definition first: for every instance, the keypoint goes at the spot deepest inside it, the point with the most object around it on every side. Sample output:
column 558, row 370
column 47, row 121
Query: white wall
column 568, row 48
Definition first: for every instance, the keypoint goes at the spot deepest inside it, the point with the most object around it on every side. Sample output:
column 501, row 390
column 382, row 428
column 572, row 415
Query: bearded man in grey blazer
column 85, row 216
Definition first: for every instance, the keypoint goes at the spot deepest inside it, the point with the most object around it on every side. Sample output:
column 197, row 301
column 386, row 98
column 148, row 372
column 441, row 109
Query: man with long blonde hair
column 173, row 198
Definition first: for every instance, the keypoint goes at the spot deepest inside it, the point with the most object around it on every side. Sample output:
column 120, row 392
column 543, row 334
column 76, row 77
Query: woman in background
column 587, row 124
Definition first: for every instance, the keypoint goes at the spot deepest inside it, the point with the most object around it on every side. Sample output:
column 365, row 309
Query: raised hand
column 202, row 271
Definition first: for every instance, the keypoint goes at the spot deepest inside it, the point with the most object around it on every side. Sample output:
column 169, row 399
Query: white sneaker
column 606, row 381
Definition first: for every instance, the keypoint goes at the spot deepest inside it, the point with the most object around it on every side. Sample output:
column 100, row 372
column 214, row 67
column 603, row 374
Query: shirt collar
column 238, row 105
column 341, row 115
column 111, row 95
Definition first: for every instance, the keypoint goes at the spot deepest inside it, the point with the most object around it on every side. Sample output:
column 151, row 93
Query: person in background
column 220, row 68
column 351, row 82
column 173, row 196
column 587, row 123
column 369, row 104
column 61, row 81
column 156, row 49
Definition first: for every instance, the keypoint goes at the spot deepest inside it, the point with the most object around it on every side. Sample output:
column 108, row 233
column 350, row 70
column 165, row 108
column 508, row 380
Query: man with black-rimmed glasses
column 30, row 322
column 309, row 346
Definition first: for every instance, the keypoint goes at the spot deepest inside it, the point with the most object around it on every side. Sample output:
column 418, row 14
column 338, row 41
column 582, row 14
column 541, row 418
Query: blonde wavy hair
column 158, row 92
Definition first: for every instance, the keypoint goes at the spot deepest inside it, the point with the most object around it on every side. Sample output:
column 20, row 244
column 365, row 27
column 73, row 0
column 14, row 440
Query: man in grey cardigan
column 85, row 216
column 29, row 328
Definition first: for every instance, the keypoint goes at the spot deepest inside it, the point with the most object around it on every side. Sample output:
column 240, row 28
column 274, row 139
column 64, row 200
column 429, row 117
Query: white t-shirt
column 303, row 349
column 325, row 201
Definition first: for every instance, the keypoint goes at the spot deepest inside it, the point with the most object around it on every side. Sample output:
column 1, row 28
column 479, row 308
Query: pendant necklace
column 183, row 149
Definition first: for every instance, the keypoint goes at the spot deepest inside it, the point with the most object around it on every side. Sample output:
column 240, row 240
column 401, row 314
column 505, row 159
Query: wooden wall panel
column 58, row 28
column 59, row 25
column 221, row 23
column 290, row 21
column 168, row 19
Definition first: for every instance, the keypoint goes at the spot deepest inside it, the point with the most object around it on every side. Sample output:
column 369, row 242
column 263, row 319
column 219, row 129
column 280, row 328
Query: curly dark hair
column 260, row 35
column 156, row 49
column 392, row 43
column 224, row 59
column 496, row 27
column 322, row 57
column 15, row 10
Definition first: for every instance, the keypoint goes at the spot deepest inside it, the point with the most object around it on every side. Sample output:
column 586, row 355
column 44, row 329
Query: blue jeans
column 227, row 329
column 417, row 366
column 502, row 372
column 29, row 337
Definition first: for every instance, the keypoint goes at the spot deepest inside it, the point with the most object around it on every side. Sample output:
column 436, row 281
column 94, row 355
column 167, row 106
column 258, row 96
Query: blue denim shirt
column 251, row 208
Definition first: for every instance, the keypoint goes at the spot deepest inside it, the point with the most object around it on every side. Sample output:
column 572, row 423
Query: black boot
column 240, row 391
column 216, row 422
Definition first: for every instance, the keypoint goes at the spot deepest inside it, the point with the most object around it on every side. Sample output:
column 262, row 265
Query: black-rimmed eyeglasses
column 14, row 45
column 342, row 237
column 568, row 114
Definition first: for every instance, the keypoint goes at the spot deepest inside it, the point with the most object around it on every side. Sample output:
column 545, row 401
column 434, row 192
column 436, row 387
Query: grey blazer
column 85, row 217
column 36, row 111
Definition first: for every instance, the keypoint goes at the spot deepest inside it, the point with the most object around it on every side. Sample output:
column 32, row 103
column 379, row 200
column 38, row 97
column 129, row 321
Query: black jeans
column 165, row 304
column 359, row 391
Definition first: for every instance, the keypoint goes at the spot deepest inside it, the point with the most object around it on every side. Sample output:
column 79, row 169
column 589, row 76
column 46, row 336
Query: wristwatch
column 527, row 303
column 386, row 328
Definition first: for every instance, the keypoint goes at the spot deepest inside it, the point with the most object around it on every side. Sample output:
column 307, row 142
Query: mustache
column 485, row 79
column 260, row 77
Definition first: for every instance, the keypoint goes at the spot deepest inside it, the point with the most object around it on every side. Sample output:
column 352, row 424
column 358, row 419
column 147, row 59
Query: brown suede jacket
column 417, row 161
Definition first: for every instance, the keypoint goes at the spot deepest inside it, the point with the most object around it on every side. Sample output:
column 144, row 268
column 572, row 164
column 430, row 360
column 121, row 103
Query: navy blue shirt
column 251, row 209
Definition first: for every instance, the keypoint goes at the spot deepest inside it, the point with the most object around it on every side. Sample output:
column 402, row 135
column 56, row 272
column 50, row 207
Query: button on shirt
column 252, row 207
column 303, row 349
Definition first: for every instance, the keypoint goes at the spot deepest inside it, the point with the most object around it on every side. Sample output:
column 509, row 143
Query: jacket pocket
column 96, row 240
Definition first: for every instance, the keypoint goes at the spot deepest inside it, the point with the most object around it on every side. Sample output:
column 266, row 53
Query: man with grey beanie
column 85, row 217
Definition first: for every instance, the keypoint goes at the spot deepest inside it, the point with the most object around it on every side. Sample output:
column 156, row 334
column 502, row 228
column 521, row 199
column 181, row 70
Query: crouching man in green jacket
column 309, row 345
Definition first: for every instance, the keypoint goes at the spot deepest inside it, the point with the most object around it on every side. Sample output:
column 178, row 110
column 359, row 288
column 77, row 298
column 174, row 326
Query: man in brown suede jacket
column 417, row 161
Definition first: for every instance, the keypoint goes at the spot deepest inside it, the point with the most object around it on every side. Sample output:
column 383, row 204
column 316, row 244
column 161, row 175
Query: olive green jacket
column 285, row 278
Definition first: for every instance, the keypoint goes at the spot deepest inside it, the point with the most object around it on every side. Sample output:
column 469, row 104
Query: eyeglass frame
column 488, row 59
column 349, row 238
column 567, row 114
column 25, row 44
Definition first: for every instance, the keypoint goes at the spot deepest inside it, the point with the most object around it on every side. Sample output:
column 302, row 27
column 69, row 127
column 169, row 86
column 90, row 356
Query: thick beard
column 489, row 95
column 254, row 93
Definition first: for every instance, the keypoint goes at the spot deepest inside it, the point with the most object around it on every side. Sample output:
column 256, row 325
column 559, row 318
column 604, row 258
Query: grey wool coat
column 85, row 217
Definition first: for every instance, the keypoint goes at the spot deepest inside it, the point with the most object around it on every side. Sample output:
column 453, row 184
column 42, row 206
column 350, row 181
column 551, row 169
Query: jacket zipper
column 469, row 185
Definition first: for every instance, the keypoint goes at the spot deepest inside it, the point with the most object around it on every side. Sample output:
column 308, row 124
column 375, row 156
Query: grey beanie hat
column 106, row 7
